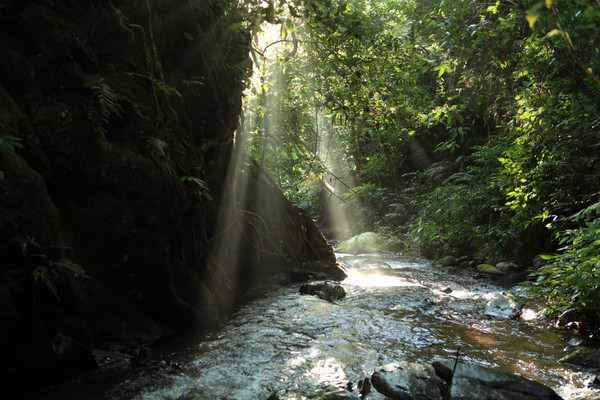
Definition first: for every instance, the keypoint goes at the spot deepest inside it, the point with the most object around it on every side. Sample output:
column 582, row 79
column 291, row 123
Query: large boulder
column 369, row 242
column 473, row 382
column 407, row 381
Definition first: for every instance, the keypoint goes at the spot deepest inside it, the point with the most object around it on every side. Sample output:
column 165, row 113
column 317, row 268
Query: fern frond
column 201, row 186
column 41, row 272
column 107, row 104
column 160, row 84
column 11, row 143
column 73, row 267
column 158, row 145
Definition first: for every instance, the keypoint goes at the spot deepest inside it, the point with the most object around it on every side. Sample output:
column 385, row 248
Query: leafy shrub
column 454, row 218
column 571, row 279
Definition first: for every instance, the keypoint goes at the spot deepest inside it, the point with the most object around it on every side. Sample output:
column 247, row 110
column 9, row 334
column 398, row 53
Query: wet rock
column 503, row 306
column 368, row 242
column 583, row 356
column 447, row 290
column 364, row 387
column 447, row 261
column 489, row 269
column 324, row 290
column 507, row 267
column 334, row 393
column 326, row 269
column 473, row 382
column 406, row 381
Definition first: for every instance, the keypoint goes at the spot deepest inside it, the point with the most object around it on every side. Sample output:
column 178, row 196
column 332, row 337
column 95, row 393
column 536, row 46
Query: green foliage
column 46, row 263
column 471, row 128
column 156, row 146
column 200, row 185
column 162, row 85
column 368, row 203
column 10, row 143
column 571, row 278
column 106, row 103
column 454, row 218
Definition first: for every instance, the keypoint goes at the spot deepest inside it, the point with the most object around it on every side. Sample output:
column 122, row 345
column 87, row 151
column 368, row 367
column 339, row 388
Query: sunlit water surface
column 396, row 309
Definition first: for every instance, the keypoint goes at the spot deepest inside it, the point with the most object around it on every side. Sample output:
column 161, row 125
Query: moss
column 489, row 269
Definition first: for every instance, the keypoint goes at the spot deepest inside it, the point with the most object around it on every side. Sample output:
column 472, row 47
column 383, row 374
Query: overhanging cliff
column 116, row 127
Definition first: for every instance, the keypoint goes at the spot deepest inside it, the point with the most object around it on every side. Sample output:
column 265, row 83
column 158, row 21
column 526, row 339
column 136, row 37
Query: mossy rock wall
column 116, row 128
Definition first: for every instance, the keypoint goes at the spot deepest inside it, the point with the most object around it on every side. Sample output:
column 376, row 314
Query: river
column 397, row 308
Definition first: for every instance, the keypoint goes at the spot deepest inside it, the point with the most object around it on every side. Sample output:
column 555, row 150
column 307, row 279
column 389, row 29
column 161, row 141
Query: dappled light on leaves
column 468, row 129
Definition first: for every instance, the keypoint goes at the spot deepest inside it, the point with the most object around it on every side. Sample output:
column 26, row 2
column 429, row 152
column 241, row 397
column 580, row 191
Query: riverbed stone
column 504, row 306
column 583, row 356
column 334, row 393
column 324, row 290
column 507, row 267
column 489, row 269
column 407, row 381
column 447, row 261
column 474, row 382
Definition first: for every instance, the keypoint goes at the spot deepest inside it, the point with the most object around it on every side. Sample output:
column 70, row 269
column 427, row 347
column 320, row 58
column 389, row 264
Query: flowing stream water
column 397, row 308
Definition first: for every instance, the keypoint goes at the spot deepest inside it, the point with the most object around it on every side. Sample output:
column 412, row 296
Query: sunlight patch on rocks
column 376, row 279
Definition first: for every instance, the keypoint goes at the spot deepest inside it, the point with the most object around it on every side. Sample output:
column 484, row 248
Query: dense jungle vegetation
column 470, row 128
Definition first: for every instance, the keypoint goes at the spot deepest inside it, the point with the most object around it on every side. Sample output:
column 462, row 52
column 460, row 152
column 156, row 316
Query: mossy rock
column 489, row 269
column 447, row 261
column 369, row 242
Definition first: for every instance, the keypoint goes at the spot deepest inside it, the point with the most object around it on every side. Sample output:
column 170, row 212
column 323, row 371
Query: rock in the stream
column 504, row 306
column 369, row 242
column 447, row 261
column 507, row 267
column 407, row 381
column 324, row 290
column 474, row 382
column 334, row 393
column 584, row 356
column 489, row 269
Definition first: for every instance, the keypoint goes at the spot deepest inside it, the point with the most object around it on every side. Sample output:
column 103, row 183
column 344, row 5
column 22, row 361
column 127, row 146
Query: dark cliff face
column 116, row 124
column 116, row 128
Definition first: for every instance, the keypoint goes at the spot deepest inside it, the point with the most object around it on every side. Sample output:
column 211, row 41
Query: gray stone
column 583, row 356
column 334, row 393
column 507, row 267
column 504, row 306
column 474, row 382
column 324, row 290
column 407, row 381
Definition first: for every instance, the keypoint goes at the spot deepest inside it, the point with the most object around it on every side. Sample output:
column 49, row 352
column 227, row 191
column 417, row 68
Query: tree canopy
column 469, row 127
